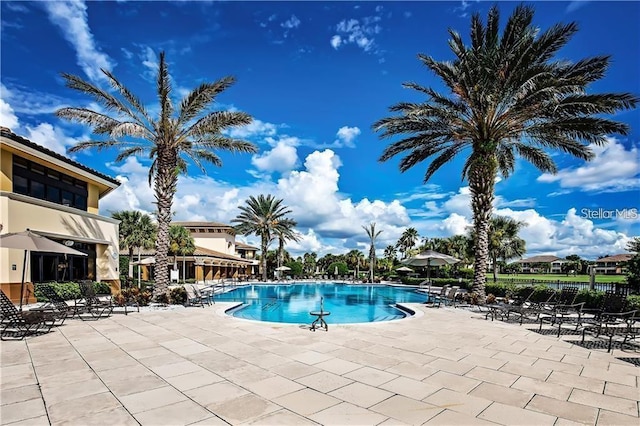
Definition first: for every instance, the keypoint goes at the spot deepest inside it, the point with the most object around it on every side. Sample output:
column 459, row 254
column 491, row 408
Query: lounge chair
column 623, row 324
column 16, row 325
column 195, row 297
column 90, row 306
column 55, row 305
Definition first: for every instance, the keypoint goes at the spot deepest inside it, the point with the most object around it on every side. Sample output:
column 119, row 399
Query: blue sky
column 315, row 76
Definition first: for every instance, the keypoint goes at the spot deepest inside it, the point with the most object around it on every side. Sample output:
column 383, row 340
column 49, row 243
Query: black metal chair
column 90, row 306
column 16, row 325
column 623, row 324
column 55, row 305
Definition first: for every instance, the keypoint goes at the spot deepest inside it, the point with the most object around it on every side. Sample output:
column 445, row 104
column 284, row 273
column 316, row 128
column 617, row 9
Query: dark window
column 37, row 190
column 53, row 194
column 81, row 202
column 67, row 198
column 20, row 162
column 37, row 168
column 20, row 185
column 40, row 182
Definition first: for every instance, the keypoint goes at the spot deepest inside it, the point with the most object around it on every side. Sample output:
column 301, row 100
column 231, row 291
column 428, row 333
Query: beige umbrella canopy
column 404, row 269
column 30, row 241
column 283, row 268
column 430, row 258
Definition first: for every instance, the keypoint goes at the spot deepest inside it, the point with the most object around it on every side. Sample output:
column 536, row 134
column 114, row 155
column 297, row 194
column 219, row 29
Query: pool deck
column 199, row 366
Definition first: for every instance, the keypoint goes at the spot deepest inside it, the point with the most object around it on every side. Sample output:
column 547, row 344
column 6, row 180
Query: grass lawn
column 561, row 277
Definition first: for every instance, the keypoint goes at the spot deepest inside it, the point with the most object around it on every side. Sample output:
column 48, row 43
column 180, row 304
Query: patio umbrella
column 30, row 241
column 430, row 258
column 145, row 261
column 335, row 270
column 283, row 268
column 404, row 269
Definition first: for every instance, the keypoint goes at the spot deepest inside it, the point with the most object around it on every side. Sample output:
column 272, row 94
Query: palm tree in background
column 285, row 233
column 407, row 241
column 390, row 253
column 372, row 234
column 504, row 243
column 136, row 230
column 180, row 243
column 191, row 133
column 354, row 259
column 264, row 216
column 507, row 97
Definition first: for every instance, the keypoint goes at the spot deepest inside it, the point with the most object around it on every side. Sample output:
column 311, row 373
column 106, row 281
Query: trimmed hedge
column 70, row 290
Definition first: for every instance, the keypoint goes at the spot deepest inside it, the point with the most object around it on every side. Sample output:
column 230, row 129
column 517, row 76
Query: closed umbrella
column 30, row 241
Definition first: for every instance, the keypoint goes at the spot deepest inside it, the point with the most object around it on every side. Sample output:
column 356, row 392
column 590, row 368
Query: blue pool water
column 347, row 303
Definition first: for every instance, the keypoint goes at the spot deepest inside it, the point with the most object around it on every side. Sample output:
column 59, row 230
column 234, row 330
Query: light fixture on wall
column 68, row 243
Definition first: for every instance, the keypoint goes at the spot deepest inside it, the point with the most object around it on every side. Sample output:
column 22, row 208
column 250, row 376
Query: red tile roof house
column 612, row 265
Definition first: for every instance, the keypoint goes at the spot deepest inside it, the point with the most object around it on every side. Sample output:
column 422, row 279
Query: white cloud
column 50, row 137
column 357, row 31
column 336, row 41
column 614, row 169
column 292, row 22
column 455, row 224
column 346, row 136
column 282, row 158
column 150, row 63
column 256, row 128
column 8, row 117
column 71, row 18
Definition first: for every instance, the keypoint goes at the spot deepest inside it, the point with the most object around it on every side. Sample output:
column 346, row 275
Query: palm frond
column 98, row 145
column 128, row 152
column 164, row 92
column 130, row 97
column 109, row 101
column 100, row 122
column 201, row 97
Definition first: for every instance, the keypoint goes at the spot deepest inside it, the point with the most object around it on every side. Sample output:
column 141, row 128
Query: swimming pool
column 291, row 303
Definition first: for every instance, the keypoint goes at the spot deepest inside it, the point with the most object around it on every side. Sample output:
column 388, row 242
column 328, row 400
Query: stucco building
column 57, row 197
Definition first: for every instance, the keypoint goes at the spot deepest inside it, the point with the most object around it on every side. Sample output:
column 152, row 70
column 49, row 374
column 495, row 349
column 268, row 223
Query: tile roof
column 616, row 258
column 202, row 225
column 7, row 133
column 245, row 246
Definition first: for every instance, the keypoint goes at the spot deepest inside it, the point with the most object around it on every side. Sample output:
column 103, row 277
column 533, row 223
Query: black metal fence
column 619, row 287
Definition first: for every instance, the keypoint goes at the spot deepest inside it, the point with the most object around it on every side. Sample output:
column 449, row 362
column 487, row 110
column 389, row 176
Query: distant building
column 541, row 264
column 56, row 197
column 217, row 255
column 612, row 265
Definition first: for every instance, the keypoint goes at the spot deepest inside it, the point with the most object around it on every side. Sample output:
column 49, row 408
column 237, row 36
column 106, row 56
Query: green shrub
column 163, row 298
column 633, row 302
column 178, row 296
column 591, row 299
column 68, row 291
column 102, row 288
column 465, row 273
column 343, row 269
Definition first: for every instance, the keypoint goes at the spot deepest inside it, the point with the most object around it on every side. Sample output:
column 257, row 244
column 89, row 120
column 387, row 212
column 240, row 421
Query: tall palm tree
column 507, row 97
column 192, row 132
column 136, row 230
column 180, row 243
column 372, row 234
column 264, row 216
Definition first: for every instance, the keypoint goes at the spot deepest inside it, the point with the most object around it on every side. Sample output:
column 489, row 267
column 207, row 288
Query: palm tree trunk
column 495, row 269
column 130, row 262
column 263, row 259
column 165, row 182
column 482, row 176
